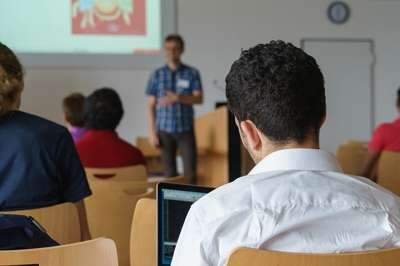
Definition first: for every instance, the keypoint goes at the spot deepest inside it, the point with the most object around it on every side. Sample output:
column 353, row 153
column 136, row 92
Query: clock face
column 339, row 12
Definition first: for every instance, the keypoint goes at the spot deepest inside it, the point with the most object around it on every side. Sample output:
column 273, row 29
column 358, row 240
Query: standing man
column 171, row 93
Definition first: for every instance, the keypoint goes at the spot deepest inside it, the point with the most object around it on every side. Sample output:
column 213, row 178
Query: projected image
column 97, row 27
column 108, row 17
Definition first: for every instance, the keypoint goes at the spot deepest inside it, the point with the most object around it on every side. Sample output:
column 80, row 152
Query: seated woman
column 386, row 138
column 101, row 147
column 39, row 165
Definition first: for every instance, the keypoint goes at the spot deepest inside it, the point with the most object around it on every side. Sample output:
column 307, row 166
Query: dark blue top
column 39, row 165
column 177, row 118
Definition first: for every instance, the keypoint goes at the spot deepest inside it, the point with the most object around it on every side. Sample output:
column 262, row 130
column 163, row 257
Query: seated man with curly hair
column 101, row 147
column 296, row 198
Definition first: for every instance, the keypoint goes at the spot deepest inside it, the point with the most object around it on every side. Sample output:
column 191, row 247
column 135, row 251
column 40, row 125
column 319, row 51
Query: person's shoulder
column 384, row 127
column 128, row 146
column 39, row 124
column 371, row 194
column 190, row 68
column 224, row 199
column 134, row 150
column 159, row 70
column 362, row 194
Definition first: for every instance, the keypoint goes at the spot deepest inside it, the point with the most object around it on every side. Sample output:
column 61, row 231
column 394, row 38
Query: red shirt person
column 101, row 147
column 386, row 137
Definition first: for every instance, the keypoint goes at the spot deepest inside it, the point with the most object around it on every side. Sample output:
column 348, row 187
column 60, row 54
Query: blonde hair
column 11, row 79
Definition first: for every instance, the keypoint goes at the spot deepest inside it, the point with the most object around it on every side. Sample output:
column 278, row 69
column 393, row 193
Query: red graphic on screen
column 108, row 17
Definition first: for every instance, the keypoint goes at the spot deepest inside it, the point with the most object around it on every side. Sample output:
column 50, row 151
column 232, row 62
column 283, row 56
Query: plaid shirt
column 176, row 118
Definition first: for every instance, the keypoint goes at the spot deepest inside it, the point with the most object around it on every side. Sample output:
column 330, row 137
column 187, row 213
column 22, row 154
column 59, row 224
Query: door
column 348, row 68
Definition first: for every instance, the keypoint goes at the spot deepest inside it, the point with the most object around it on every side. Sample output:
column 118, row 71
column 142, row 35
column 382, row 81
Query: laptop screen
column 174, row 204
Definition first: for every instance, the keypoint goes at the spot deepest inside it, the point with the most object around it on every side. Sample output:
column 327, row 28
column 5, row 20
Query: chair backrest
column 98, row 252
column 389, row 171
column 174, row 180
column 60, row 221
column 352, row 156
column 253, row 257
column 143, row 144
column 136, row 172
column 110, row 210
column 143, row 234
column 132, row 187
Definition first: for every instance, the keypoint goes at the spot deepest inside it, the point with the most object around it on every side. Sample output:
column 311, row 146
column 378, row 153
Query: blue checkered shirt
column 176, row 118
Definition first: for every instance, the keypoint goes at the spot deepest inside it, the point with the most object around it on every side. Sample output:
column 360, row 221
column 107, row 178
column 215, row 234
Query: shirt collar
column 180, row 67
column 77, row 130
column 297, row 159
column 101, row 133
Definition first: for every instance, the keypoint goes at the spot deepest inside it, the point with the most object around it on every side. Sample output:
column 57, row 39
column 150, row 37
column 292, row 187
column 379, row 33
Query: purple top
column 77, row 133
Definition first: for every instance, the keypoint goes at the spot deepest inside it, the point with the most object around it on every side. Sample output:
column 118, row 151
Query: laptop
column 173, row 204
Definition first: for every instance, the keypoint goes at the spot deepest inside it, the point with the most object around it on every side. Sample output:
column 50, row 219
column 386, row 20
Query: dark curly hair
column 103, row 109
column 280, row 88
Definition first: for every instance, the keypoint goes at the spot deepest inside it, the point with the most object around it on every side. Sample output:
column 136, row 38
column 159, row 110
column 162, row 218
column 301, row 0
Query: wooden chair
column 253, row 257
column 98, row 252
column 389, row 171
column 152, row 156
column 352, row 156
column 143, row 234
column 60, row 221
column 143, row 144
column 136, row 173
column 132, row 187
column 110, row 210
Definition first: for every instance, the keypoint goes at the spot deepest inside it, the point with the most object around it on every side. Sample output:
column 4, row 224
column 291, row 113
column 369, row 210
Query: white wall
column 215, row 32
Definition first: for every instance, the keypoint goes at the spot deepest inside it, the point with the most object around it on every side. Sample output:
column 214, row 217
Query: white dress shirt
column 294, row 200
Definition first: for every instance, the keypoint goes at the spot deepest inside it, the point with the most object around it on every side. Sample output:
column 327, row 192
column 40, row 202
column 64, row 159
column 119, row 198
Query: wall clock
column 339, row 12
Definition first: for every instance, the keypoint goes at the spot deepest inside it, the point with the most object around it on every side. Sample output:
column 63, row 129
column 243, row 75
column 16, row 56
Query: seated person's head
column 11, row 80
column 103, row 110
column 73, row 107
column 276, row 92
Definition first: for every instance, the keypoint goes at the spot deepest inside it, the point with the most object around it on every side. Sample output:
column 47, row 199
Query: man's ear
column 252, row 135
